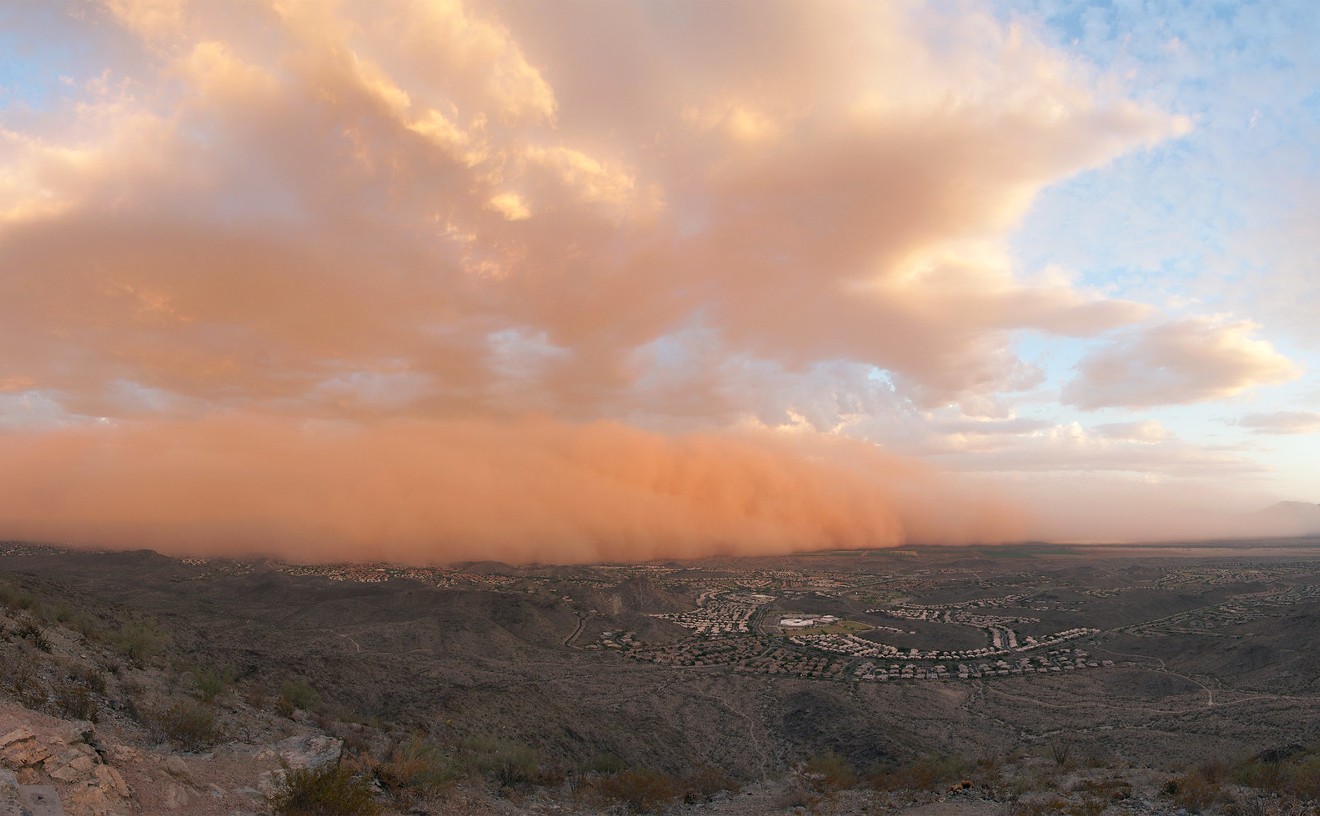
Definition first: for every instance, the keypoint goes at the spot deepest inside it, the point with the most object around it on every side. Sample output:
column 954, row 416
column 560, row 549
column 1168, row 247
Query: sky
column 439, row 280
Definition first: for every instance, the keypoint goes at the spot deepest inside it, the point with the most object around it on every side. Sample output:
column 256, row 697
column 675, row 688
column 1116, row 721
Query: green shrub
column 87, row 626
column 138, row 641
column 507, row 764
column 209, row 683
column 188, row 724
column 334, row 790
column 299, row 694
column 15, row 597
column 59, row 612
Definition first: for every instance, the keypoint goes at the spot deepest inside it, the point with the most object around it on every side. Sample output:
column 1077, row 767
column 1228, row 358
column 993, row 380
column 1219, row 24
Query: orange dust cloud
column 433, row 492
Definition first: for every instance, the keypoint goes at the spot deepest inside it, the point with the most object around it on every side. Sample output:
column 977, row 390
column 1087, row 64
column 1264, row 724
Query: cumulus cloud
column 398, row 218
column 286, row 197
column 1177, row 362
column 1281, row 422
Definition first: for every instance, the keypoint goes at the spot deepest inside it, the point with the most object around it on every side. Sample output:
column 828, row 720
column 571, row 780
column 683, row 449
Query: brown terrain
column 1027, row 679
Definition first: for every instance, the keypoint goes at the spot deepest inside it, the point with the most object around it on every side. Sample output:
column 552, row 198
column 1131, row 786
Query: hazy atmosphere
column 569, row 282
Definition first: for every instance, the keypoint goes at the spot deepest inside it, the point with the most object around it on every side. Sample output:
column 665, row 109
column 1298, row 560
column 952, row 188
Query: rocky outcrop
column 64, row 764
column 306, row 752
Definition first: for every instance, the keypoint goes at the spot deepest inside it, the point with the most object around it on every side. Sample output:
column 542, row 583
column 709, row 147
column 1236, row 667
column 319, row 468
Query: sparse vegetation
column 1294, row 772
column 138, row 641
column 74, row 698
column 927, row 772
column 602, row 764
column 1061, row 752
column 209, row 682
column 829, row 771
column 34, row 635
column 14, row 597
column 183, row 696
column 705, row 782
column 298, row 694
column 640, row 790
column 507, row 764
column 187, row 724
column 334, row 790
column 416, row 767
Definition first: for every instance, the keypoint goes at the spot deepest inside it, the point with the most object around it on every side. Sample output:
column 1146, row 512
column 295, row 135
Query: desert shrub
column 1216, row 770
column 794, row 794
column 23, row 682
column 87, row 625
column 507, row 764
column 209, row 682
column 1038, row 807
column 705, row 781
column 73, row 698
column 829, row 771
column 299, row 694
column 416, row 767
column 14, row 597
column 188, row 724
column 138, row 641
column 927, row 772
column 605, row 763
column 1192, row 791
column 59, row 612
column 640, row 790
column 1061, row 753
column 1297, row 775
column 257, row 696
column 1110, row 789
column 91, row 676
column 1088, row 806
column 334, row 790
column 34, row 635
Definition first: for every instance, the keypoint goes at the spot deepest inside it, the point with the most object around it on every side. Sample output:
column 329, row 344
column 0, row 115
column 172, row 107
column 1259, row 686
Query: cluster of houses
column 794, row 663
column 717, row 651
column 1242, row 609
column 1003, row 644
column 720, row 613
column 1056, row 661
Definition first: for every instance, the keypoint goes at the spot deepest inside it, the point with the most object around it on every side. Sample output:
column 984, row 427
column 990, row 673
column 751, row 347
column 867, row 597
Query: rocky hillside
column 111, row 708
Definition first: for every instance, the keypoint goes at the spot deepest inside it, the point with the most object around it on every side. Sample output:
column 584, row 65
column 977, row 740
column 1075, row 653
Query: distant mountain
column 1292, row 518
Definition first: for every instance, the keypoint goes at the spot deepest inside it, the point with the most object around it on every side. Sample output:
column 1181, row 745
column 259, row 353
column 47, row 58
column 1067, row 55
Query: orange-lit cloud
column 1181, row 361
column 370, row 223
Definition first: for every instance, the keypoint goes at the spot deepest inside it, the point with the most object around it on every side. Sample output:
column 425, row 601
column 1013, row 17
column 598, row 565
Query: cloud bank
column 263, row 257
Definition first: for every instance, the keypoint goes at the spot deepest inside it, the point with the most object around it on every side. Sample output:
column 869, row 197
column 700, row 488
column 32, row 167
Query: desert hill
column 496, row 684
column 1292, row 518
